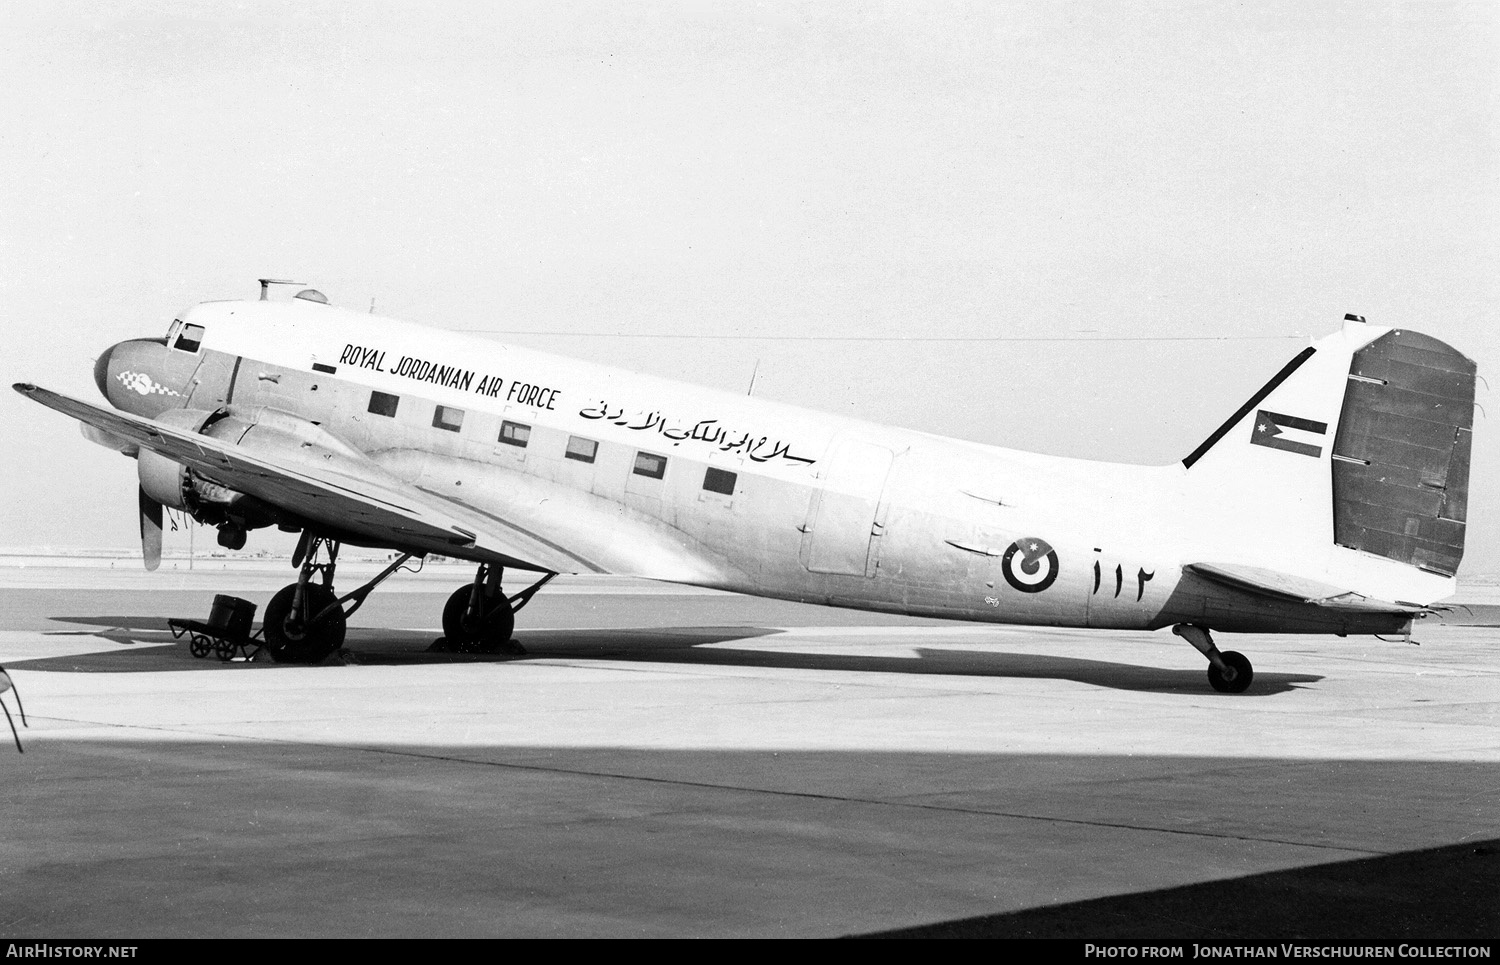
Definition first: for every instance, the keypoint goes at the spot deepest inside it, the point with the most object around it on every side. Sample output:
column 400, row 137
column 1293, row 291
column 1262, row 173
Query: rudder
column 1401, row 454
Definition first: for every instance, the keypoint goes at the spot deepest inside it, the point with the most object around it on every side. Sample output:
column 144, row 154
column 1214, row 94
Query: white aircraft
column 1333, row 501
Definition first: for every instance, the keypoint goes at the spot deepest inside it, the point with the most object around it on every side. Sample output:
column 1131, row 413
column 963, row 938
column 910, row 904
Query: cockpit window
column 190, row 339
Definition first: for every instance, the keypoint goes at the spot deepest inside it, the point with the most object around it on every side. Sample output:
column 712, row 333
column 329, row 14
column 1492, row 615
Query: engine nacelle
column 175, row 485
column 272, row 434
column 165, row 481
column 275, row 433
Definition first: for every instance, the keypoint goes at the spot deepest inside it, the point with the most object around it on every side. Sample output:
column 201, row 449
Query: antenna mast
column 266, row 283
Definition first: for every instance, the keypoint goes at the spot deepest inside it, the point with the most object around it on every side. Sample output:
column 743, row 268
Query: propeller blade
column 150, row 531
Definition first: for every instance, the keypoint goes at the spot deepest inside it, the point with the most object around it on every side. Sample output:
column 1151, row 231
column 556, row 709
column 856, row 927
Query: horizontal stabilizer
column 1284, row 586
column 1464, row 615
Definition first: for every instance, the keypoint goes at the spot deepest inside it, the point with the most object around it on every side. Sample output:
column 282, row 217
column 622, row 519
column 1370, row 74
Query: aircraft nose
column 101, row 370
column 142, row 376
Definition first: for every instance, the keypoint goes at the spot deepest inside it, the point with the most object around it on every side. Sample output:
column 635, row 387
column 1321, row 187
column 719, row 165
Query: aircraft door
column 844, row 521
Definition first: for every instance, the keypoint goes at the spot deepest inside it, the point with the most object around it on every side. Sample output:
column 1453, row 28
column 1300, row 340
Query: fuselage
column 597, row 469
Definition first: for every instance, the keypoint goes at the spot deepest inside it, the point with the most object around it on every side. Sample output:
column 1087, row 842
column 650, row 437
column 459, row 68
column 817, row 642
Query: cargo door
column 843, row 517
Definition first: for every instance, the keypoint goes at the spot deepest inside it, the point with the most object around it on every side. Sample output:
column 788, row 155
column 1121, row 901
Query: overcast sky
column 1088, row 229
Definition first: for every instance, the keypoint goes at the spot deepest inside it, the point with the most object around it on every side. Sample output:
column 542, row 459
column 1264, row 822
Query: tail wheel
column 1236, row 682
column 293, row 638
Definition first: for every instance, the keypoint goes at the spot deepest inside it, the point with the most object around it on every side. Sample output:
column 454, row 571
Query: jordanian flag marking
column 1270, row 428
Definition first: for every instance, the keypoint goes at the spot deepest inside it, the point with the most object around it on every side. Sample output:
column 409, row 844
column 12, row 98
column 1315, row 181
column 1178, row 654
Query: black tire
column 453, row 615
column 498, row 628
column 226, row 649
column 199, row 645
column 491, row 637
column 309, row 644
column 1243, row 674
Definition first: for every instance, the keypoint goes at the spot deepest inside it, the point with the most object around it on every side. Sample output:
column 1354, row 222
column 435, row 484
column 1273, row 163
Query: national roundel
column 1037, row 568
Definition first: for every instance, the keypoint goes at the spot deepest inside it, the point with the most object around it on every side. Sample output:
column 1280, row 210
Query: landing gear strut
column 305, row 621
column 1228, row 672
column 479, row 617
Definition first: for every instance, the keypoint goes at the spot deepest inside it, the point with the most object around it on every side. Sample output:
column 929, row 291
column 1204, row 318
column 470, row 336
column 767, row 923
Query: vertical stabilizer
column 1351, row 467
column 1258, row 489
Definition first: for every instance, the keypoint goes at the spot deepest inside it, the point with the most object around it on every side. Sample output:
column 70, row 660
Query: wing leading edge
column 362, row 500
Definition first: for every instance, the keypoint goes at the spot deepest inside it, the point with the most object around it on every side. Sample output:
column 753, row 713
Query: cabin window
column 447, row 417
column 515, row 434
column 719, row 481
column 383, row 403
column 650, row 464
column 190, row 338
column 581, row 449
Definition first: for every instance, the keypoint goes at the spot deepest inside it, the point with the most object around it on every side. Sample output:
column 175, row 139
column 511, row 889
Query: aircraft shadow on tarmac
column 681, row 842
column 156, row 650
column 1366, row 899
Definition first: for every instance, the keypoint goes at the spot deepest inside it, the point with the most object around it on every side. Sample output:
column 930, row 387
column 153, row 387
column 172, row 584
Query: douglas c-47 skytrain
column 1333, row 501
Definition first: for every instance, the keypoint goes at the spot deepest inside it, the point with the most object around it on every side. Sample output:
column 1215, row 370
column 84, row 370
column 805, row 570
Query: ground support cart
column 226, row 633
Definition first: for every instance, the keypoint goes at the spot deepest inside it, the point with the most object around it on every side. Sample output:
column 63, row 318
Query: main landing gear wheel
column 481, row 617
column 310, row 633
column 453, row 613
column 493, row 630
column 1236, row 682
column 299, row 637
column 1228, row 672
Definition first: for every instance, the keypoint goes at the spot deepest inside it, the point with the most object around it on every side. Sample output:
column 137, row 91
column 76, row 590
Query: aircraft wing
column 356, row 498
column 1284, row 586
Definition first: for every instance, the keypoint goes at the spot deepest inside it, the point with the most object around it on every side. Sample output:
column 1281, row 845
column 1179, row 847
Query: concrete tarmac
column 673, row 762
